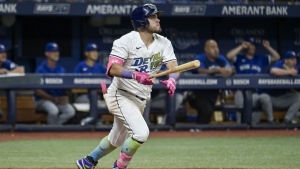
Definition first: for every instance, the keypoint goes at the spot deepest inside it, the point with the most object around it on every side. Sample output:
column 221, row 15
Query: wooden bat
column 180, row 68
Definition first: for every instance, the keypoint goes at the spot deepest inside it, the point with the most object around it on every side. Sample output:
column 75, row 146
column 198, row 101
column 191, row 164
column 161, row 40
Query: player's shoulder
column 161, row 38
column 10, row 64
column 127, row 37
column 200, row 56
column 7, row 61
column 278, row 64
column 222, row 57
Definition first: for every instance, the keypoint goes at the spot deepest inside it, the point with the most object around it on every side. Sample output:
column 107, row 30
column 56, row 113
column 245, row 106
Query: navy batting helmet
column 139, row 16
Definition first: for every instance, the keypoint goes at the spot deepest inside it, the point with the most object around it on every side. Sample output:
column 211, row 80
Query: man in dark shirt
column 211, row 63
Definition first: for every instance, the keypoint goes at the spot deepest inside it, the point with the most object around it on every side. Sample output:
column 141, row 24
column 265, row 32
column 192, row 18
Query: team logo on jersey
column 148, row 64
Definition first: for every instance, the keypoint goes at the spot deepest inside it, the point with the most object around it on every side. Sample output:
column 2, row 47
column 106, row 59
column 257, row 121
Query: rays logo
column 182, row 40
column 148, row 64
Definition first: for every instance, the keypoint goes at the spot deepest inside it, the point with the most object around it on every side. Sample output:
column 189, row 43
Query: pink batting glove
column 142, row 78
column 171, row 85
column 103, row 87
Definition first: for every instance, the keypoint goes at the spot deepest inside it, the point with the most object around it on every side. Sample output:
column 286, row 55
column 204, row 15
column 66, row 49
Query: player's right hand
column 225, row 72
column 245, row 45
column 3, row 71
column 142, row 78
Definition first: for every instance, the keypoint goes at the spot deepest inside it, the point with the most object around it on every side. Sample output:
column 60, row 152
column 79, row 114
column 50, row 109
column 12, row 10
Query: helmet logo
column 151, row 6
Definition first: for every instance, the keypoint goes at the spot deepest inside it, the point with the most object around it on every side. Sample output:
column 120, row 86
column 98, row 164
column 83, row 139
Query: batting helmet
column 139, row 16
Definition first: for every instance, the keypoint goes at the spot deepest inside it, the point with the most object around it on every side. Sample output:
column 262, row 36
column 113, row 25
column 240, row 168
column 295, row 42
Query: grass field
column 232, row 152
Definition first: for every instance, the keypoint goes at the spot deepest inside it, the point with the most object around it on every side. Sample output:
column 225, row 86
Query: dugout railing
column 186, row 82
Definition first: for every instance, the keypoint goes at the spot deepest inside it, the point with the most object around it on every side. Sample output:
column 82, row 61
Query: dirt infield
column 7, row 136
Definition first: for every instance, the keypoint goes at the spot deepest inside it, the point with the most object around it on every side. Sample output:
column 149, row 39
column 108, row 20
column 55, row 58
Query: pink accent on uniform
column 103, row 87
column 111, row 61
column 171, row 85
column 142, row 78
column 123, row 160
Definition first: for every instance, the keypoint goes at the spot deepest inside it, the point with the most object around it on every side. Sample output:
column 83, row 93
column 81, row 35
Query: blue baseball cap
column 2, row 48
column 91, row 47
column 51, row 47
column 250, row 40
column 290, row 54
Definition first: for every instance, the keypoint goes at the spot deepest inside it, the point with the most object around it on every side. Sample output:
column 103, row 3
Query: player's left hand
column 266, row 43
column 171, row 85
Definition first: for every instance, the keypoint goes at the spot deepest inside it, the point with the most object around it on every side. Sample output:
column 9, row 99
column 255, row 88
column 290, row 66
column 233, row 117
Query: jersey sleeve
column 278, row 64
column 168, row 53
column 120, row 48
column 236, row 59
column 9, row 65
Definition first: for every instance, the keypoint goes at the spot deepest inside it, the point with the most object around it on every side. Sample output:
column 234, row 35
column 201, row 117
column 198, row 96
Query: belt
column 142, row 99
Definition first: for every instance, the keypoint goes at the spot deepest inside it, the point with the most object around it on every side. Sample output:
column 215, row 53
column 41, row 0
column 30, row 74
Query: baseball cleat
column 84, row 163
column 116, row 167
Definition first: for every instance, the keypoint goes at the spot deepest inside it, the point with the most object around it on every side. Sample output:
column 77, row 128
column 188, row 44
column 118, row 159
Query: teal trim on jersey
column 102, row 149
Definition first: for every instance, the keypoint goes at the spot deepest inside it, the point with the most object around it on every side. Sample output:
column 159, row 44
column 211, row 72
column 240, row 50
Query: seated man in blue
column 89, row 66
column 286, row 98
column 6, row 65
column 53, row 101
column 250, row 63
column 211, row 63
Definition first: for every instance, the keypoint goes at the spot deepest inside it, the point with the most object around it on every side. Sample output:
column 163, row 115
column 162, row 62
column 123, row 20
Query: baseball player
column 53, row 101
column 251, row 63
column 286, row 98
column 6, row 65
column 134, row 57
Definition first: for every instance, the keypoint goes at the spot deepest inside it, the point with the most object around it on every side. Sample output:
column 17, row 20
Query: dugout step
column 5, row 127
column 211, row 126
column 52, row 128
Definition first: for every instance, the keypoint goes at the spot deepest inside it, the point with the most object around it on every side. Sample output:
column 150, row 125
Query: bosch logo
column 51, row 8
column 228, row 82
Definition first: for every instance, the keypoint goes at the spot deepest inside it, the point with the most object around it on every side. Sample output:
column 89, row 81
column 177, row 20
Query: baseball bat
column 180, row 68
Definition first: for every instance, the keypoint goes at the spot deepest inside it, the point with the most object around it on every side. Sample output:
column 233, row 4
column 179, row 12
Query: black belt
column 134, row 95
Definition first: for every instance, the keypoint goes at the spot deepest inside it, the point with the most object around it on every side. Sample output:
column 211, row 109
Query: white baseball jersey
column 137, row 56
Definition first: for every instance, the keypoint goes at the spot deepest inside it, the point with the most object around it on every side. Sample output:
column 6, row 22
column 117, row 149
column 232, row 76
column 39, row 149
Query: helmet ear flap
column 140, row 23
